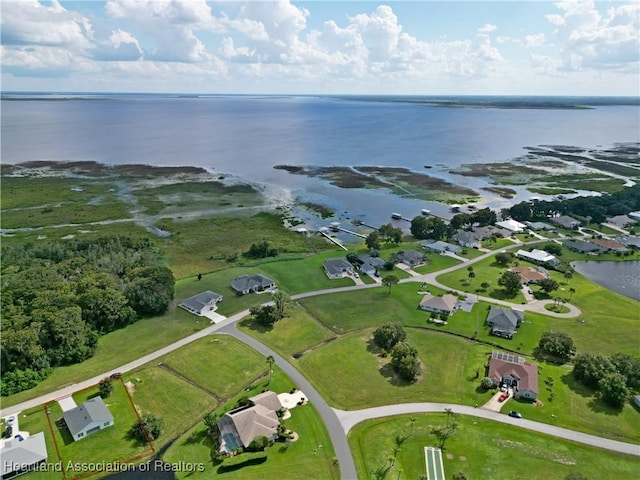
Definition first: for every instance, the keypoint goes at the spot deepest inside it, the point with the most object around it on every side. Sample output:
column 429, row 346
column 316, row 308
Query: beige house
column 446, row 304
column 239, row 427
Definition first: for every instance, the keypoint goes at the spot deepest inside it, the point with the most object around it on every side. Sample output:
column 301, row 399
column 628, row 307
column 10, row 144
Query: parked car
column 504, row 388
column 503, row 397
column 11, row 420
column 116, row 375
column 515, row 414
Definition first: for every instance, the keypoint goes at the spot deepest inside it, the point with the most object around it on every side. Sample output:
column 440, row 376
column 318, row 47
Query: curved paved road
column 351, row 418
column 334, row 426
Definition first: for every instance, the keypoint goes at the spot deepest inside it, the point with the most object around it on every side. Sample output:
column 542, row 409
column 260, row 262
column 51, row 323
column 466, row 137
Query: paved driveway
column 493, row 404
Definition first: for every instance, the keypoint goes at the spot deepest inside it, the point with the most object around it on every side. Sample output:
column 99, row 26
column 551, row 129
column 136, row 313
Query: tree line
column 597, row 209
column 59, row 297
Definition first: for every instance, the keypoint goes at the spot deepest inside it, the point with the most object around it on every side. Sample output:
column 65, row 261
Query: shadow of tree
column 570, row 381
column 392, row 377
column 372, row 347
column 599, row 406
column 253, row 325
column 501, row 294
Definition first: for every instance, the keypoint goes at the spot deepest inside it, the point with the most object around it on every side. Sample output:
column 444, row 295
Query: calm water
column 621, row 277
column 247, row 136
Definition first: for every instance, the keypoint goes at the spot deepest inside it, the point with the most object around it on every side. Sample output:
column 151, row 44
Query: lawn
column 108, row 445
column 437, row 262
column 304, row 459
column 295, row 333
column 350, row 373
column 218, row 363
column 479, row 449
column 486, row 270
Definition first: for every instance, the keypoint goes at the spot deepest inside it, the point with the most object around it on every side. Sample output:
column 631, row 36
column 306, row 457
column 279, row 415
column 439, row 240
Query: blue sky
column 318, row 47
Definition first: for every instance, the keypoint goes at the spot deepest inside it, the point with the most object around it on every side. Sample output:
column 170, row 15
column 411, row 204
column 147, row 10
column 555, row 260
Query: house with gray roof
column 411, row 257
column 21, row 455
column 581, row 246
column 467, row 239
column 259, row 418
column 621, row 221
column 491, row 231
column 369, row 265
column 446, row 304
column 90, row 417
column 252, row 283
column 537, row 226
column 337, row 268
column 503, row 322
column 440, row 246
column 630, row 241
column 202, row 302
column 565, row 221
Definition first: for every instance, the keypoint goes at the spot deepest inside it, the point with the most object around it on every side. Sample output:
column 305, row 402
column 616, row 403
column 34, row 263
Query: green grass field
column 479, row 449
column 295, row 333
column 220, row 364
column 350, row 373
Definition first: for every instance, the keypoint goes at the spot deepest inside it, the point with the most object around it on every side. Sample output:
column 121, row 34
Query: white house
column 512, row 225
column 538, row 256
column 90, row 417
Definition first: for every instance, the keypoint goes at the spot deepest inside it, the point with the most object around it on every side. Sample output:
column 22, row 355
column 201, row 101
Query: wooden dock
column 333, row 240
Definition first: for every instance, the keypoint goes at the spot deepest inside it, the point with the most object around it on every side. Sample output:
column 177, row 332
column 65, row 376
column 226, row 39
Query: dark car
column 116, row 375
column 515, row 414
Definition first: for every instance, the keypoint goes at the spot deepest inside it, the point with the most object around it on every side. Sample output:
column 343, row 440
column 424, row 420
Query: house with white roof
column 512, row 225
column 538, row 256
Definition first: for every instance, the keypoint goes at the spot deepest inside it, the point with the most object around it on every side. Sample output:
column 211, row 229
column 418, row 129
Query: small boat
column 396, row 216
column 455, row 208
column 426, row 212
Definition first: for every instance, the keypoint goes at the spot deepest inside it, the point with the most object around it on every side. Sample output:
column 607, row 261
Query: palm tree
column 571, row 291
column 412, row 420
column 270, row 361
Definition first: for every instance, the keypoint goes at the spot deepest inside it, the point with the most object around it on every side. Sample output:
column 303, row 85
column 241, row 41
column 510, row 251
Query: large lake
column 621, row 277
column 247, row 136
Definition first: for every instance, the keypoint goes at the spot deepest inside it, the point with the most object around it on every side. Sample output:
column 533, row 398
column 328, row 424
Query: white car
column 355, row 275
column 11, row 420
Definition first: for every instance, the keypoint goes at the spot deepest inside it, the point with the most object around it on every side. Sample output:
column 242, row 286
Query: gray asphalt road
column 334, row 426
column 351, row 418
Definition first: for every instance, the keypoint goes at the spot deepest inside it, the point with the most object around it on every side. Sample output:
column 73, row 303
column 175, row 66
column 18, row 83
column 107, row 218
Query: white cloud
column 534, row 40
column 591, row 41
column 487, row 28
column 169, row 25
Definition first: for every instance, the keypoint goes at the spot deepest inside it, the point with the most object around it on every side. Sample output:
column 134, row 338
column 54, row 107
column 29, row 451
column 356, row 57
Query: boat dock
column 323, row 232
column 335, row 226
column 398, row 216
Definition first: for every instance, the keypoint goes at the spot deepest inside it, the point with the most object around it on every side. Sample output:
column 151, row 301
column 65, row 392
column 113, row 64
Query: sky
column 322, row 47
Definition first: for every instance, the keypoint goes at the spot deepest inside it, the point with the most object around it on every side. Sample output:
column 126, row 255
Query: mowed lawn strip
column 219, row 363
column 479, row 449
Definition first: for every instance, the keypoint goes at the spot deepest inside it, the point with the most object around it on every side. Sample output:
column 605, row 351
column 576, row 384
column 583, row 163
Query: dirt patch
column 131, row 388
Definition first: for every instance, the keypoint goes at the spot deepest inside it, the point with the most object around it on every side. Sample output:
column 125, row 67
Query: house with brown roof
column 259, row 418
column 609, row 244
column 512, row 370
column 446, row 304
column 530, row 274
